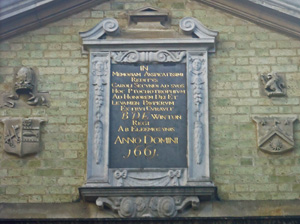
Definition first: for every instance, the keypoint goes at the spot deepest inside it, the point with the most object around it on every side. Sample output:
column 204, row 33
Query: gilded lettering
column 121, row 74
column 127, row 140
column 143, row 68
column 139, row 123
column 125, row 116
column 166, row 117
column 148, row 139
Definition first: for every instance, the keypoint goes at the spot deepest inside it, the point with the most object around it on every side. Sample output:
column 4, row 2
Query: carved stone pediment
column 22, row 135
column 110, row 36
column 147, row 14
column 275, row 134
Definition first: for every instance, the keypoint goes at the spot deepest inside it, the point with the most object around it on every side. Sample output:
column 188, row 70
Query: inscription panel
column 148, row 116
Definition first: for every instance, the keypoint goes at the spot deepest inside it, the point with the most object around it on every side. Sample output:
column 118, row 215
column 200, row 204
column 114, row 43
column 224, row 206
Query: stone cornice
column 259, row 14
column 290, row 7
column 12, row 24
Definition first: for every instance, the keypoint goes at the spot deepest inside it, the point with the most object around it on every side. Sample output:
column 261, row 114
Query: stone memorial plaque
column 148, row 131
column 148, row 112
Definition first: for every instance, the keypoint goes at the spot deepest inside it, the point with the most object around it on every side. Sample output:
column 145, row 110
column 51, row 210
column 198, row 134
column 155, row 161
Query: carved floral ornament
column 99, row 82
column 148, row 56
column 275, row 134
column 24, row 91
column 129, row 207
column 197, row 73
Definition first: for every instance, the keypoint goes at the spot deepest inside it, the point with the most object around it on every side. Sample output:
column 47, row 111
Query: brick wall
column 244, row 50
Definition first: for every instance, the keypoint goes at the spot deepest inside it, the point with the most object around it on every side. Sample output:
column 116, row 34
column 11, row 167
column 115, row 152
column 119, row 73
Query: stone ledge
column 198, row 220
column 213, row 209
column 90, row 194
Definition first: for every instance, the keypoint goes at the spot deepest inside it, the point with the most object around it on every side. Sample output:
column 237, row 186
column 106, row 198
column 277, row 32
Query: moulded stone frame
column 98, row 172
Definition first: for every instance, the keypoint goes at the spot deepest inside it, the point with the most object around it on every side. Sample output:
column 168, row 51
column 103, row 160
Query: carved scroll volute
column 161, row 56
column 190, row 25
column 165, row 207
column 120, row 175
column 108, row 26
column 174, row 176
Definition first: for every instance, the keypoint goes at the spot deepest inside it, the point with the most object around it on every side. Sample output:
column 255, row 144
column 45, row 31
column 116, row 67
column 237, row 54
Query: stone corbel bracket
column 22, row 135
column 164, row 207
column 165, row 202
column 275, row 134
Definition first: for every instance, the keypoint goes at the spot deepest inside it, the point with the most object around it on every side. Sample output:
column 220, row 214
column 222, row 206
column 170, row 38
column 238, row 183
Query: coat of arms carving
column 24, row 91
column 22, row 135
column 275, row 134
column 274, row 84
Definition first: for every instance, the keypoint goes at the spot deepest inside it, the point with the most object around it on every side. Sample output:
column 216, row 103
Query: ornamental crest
column 274, row 84
column 24, row 91
column 275, row 134
column 22, row 135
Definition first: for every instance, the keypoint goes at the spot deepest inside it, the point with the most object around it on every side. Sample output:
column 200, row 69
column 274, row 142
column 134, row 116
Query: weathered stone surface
column 275, row 134
column 273, row 84
column 22, row 136
column 25, row 87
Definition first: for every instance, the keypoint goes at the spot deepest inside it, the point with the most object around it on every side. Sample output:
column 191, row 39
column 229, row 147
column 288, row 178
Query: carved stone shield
column 22, row 135
column 275, row 134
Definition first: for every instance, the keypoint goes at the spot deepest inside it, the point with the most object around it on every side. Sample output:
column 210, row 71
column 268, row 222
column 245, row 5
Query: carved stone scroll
column 191, row 25
column 275, row 134
column 129, row 207
column 22, row 135
column 25, row 88
column 120, row 175
column 108, row 26
column 148, row 56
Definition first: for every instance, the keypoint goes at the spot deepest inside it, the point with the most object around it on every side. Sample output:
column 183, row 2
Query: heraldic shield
column 22, row 135
column 275, row 134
